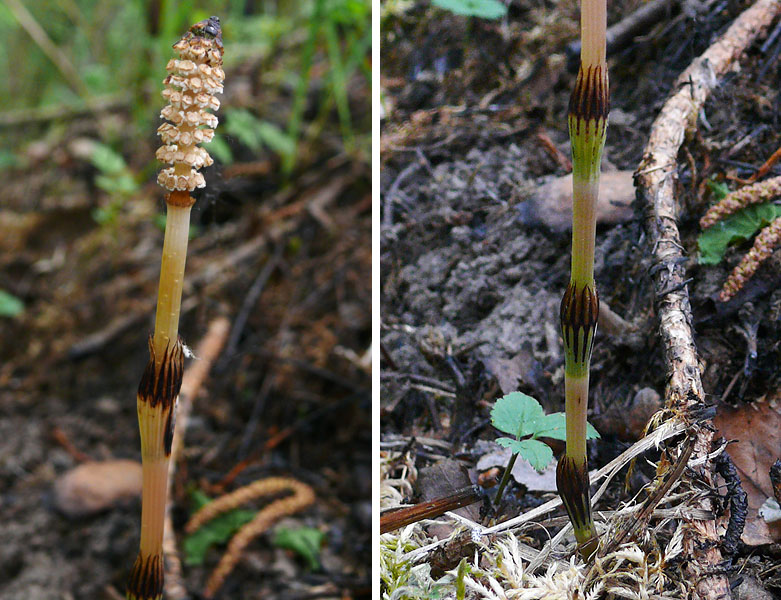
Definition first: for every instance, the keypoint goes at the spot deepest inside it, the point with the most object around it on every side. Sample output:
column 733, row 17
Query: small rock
column 96, row 486
column 552, row 204
column 751, row 589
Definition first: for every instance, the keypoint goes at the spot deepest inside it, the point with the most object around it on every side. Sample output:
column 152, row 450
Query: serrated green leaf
column 741, row 226
column 554, row 426
column 10, row 305
column 486, row 9
column 512, row 411
column 216, row 531
column 304, row 541
column 538, row 454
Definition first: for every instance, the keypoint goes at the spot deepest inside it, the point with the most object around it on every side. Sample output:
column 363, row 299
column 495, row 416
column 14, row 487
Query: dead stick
column 205, row 355
column 656, row 184
column 396, row 518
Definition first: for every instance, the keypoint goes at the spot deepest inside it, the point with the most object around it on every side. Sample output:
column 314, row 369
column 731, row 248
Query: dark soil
column 284, row 399
column 471, row 286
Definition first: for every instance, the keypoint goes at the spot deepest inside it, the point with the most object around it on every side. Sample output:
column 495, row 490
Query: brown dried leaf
column 755, row 427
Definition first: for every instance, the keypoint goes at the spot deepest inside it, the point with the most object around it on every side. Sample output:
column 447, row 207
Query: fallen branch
column 656, row 180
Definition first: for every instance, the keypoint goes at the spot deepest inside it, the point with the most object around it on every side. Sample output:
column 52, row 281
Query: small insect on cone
column 193, row 80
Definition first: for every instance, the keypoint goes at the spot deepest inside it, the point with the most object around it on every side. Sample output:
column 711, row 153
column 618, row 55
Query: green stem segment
column 588, row 110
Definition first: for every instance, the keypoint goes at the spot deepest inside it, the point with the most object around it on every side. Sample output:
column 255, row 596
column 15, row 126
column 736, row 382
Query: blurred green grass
column 65, row 56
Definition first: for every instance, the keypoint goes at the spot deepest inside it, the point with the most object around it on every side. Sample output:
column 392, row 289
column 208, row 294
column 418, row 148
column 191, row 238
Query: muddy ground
column 288, row 396
column 472, row 277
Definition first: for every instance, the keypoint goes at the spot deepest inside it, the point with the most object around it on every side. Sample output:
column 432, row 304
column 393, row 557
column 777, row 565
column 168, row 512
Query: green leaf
column 254, row 133
column 512, row 411
column 220, row 149
column 216, row 531
column 304, row 541
column 555, row 426
column 741, row 226
column 537, row 453
column 276, row 139
column 8, row 159
column 107, row 161
column 243, row 125
column 10, row 306
column 718, row 189
column 486, row 9
column 117, row 184
column 463, row 570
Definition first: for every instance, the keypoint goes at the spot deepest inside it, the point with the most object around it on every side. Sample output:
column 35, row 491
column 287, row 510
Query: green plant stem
column 588, row 110
column 576, row 405
column 505, row 479
column 584, row 228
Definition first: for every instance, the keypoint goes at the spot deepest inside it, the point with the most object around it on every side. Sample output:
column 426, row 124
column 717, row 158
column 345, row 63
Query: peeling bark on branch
column 656, row 183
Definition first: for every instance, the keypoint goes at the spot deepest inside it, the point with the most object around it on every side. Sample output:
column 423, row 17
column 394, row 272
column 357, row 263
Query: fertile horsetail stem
column 193, row 80
column 588, row 109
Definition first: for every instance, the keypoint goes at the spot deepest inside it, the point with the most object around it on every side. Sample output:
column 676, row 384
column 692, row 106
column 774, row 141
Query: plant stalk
column 588, row 111
column 190, row 88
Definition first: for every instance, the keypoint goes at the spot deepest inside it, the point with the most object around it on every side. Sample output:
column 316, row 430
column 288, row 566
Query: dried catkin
column 757, row 193
column 302, row 496
column 764, row 244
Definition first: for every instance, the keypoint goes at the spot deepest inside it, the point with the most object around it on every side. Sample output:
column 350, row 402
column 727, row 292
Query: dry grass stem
column 666, row 431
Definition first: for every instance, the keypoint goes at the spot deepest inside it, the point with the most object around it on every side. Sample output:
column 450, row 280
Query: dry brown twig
column 206, row 353
column 302, row 496
column 656, row 183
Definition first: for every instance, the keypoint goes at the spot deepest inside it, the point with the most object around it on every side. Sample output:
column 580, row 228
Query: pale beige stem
column 593, row 27
column 169, row 297
column 576, row 407
column 155, row 481
column 584, row 229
